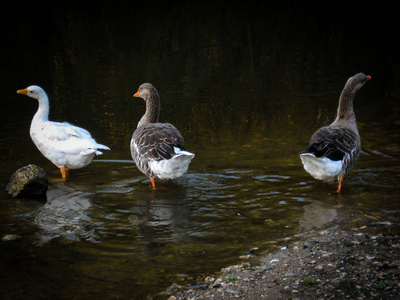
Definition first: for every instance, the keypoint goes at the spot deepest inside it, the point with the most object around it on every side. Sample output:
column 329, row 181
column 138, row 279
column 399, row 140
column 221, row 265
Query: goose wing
column 62, row 131
column 333, row 142
column 156, row 141
column 66, row 138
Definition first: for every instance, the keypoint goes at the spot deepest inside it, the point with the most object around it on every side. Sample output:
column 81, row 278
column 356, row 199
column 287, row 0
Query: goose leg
column 64, row 172
column 153, row 183
column 340, row 184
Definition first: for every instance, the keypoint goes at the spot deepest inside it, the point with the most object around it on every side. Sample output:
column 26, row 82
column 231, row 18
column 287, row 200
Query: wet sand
column 357, row 257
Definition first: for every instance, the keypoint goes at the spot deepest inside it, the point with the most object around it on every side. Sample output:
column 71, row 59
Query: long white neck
column 42, row 114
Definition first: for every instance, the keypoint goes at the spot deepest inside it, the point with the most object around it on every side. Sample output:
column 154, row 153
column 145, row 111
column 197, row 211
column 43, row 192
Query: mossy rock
column 29, row 181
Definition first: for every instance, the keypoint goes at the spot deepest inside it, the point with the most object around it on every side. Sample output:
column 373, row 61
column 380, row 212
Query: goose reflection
column 64, row 214
column 316, row 215
column 164, row 216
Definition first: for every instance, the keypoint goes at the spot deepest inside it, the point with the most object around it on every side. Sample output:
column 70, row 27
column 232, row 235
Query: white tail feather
column 321, row 168
column 174, row 167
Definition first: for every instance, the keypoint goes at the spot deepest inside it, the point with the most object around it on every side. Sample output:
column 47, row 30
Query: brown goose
column 157, row 148
column 334, row 150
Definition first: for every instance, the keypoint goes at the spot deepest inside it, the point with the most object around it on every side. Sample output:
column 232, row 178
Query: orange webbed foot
column 64, row 172
column 153, row 183
column 340, row 184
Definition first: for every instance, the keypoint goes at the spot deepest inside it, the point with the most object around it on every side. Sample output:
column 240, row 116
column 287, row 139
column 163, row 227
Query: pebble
column 233, row 292
column 10, row 237
column 173, row 289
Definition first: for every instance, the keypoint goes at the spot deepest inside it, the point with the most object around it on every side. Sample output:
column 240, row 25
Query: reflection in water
column 164, row 217
column 65, row 214
column 316, row 215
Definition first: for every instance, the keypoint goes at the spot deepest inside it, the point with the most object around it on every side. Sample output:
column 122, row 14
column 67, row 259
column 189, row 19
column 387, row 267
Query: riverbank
column 356, row 258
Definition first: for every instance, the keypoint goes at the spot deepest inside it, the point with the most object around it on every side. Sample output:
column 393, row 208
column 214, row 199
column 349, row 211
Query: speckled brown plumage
column 334, row 150
column 157, row 148
column 154, row 141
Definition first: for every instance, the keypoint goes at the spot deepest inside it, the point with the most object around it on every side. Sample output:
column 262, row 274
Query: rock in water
column 28, row 181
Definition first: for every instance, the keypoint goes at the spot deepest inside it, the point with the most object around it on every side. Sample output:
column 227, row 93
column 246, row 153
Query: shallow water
column 246, row 96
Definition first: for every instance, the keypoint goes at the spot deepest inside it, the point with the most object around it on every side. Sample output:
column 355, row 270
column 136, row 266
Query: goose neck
column 42, row 113
column 152, row 110
column 345, row 109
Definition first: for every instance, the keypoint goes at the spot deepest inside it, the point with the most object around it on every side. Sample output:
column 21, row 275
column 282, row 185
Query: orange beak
column 137, row 94
column 23, row 92
column 368, row 77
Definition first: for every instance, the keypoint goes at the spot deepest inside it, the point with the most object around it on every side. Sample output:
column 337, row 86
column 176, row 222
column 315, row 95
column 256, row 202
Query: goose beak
column 23, row 92
column 368, row 77
column 137, row 94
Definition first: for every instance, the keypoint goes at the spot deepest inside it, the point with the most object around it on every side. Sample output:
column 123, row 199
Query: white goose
column 334, row 150
column 65, row 145
column 157, row 148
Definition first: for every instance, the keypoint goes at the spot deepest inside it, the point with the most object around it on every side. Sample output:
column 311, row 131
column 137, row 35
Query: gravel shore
column 356, row 258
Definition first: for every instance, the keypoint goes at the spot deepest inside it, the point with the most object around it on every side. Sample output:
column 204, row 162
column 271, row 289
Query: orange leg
column 153, row 183
column 64, row 172
column 340, row 184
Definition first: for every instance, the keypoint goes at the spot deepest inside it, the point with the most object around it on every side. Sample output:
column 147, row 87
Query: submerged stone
column 29, row 181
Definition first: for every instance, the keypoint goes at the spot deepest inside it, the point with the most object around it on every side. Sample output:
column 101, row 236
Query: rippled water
column 106, row 233
column 247, row 98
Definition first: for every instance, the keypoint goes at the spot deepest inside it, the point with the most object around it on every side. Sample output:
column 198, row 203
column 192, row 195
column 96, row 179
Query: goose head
column 146, row 91
column 33, row 91
column 357, row 81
